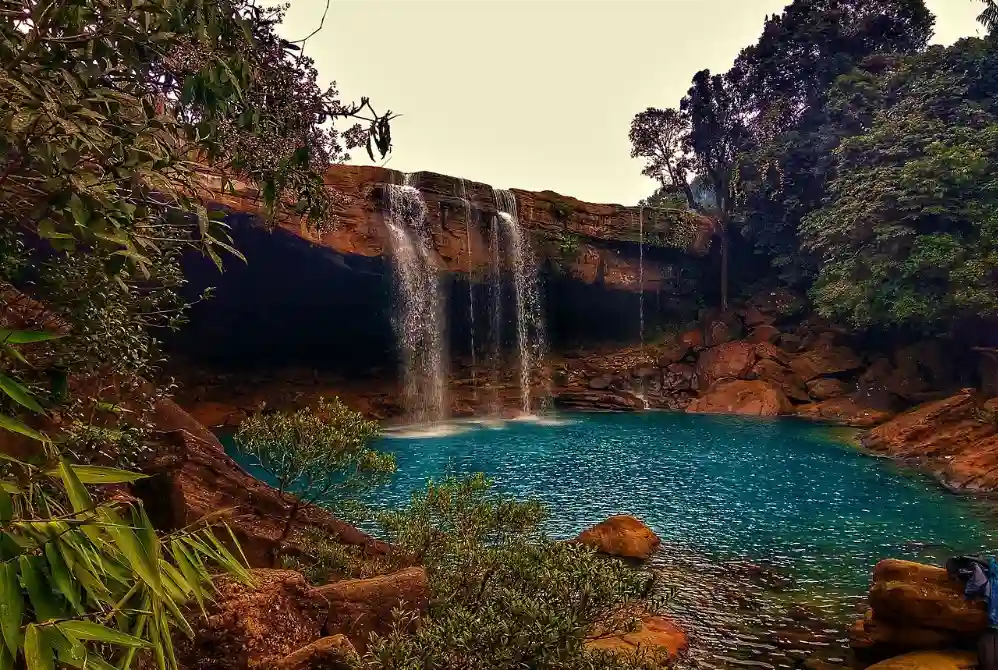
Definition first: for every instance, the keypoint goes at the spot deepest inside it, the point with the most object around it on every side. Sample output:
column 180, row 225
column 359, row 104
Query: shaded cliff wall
column 325, row 299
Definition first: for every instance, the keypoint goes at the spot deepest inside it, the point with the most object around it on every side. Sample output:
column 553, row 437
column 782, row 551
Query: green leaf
column 78, row 495
column 11, row 607
column 62, row 577
column 6, row 504
column 15, row 354
column 96, row 474
column 15, row 426
column 39, row 593
column 16, row 392
column 126, row 541
column 36, row 653
column 89, row 630
column 6, row 660
column 81, row 213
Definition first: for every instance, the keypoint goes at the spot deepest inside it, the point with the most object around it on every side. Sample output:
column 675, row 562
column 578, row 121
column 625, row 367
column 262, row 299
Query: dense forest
column 853, row 157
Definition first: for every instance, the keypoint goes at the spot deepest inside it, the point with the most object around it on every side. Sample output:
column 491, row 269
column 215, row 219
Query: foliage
column 989, row 16
column 87, row 582
column 909, row 235
column 503, row 595
column 666, row 197
column 321, row 455
column 15, row 396
column 659, row 136
column 322, row 559
column 561, row 210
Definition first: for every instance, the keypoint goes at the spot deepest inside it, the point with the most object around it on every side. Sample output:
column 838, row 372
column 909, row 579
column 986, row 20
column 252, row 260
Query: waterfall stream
column 531, row 344
column 495, row 317
column 419, row 310
column 471, row 290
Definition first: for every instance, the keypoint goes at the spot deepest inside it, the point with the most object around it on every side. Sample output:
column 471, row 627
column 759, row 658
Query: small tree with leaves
column 315, row 456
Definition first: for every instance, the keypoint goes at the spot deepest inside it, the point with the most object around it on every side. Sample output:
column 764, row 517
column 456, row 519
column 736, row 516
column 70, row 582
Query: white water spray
column 471, row 290
column 419, row 312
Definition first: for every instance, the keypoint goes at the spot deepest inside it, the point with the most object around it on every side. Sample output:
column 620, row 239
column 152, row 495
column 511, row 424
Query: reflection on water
column 770, row 528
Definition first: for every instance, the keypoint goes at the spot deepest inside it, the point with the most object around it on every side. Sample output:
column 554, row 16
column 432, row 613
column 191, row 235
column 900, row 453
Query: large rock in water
column 845, row 410
column 652, row 634
column 956, row 438
column 755, row 397
column 623, row 536
column 733, row 359
column 930, row 660
column 915, row 606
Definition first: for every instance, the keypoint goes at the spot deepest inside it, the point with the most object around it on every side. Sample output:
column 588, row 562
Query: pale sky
column 535, row 94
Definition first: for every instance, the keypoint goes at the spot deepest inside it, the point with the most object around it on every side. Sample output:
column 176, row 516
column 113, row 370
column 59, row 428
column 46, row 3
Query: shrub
column 322, row 456
column 503, row 595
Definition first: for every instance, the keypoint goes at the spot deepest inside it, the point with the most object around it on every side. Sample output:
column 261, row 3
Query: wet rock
column 679, row 377
column 826, row 388
column 333, row 652
column 957, row 438
column 845, row 410
column 359, row 607
column 623, row 536
column 764, row 334
column 644, row 372
column 771, row 371
column 929, row 660
column 874, row 639
column 745, row 397
column 731, row 360
column 653, row 634
column 825, row 362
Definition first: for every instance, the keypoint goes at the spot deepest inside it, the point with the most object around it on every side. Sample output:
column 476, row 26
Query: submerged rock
column 623, row 536
column 929, row 660
column 755, row 397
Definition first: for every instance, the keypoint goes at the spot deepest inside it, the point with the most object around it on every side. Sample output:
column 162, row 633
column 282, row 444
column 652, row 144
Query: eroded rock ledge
column 583, row 239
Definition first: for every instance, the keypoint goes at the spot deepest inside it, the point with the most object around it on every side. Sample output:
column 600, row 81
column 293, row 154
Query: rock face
column 459, row 210
column 744, row 397
column 359, row 607
column 915, row 606
column 733, row 359
column 956, row 438
column 622, row 536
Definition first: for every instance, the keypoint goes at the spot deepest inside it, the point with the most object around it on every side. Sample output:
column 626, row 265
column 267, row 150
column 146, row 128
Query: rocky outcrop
column 359, row 607
column 652, row 634
column 328, row 653
column 743, row 397
column 580, row 237
column 956, row 438
column 930, row 660
column 731, row 360
column 847, row 411
column 913, row 607
column 623, row 536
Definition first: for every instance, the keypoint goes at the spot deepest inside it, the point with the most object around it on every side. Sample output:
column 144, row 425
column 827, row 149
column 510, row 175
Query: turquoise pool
column 729, row 497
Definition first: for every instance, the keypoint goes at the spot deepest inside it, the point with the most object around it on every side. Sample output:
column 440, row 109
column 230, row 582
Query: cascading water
column 531, row 343
column 495, row 316
column 471, row 290
column 641, row 276
column 419, row 314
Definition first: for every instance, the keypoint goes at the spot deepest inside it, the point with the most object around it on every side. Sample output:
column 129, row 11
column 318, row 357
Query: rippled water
column 770, row 528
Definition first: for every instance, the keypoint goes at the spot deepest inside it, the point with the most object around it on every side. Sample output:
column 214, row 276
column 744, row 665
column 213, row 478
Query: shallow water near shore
column 770, row 529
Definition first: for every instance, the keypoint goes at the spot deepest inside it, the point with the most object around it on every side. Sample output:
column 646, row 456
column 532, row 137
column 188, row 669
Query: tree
column 909, row 234
column 716, row 137
column 989, row 17
column 321, row 456
column 784, row 80
column 87, row 582
column 503, row 595
column 658, row 136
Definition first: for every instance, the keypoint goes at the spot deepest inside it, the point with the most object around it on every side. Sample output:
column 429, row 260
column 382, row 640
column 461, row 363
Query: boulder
column 753, row 318
column 845, row 410
column 733, row 360
column 772, row 352
column 956, row 438
column 333, row 652
column 692, row 339
column 790, row 343
column 915, row 606
column 672, row 352
column 764, row 334
column 740, row 396
column 825, row 362
column 826, row 388
column 250, row 626
column 724, row 328
column 679, row 377
column 652, row 634
column 601, row 383
column 621, row 535
column 930, row 660
column 783, row 377
column 359, row 607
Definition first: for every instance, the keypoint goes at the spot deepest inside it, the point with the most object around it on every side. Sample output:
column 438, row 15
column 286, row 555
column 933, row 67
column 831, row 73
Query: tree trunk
column 275, row 551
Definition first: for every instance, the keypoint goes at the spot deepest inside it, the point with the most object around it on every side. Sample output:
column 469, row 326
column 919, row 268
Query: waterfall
column 641, row 276
column 471, row 290
column 419, row 312
column 495, row 316
column 529, row 324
